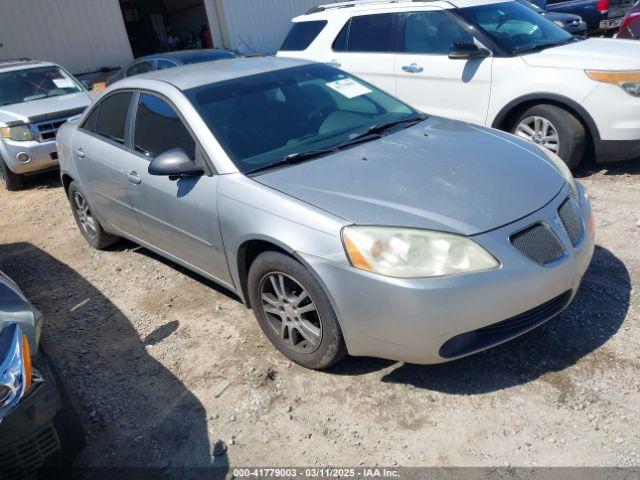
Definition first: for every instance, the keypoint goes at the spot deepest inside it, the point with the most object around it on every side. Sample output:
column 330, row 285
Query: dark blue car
column 161, row 61
column 601, row 16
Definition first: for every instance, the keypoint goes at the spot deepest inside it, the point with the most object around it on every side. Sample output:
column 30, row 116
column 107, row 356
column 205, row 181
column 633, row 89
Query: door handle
column 133, row 177
column 334, row 64
column 413, row 68
column 80, row 153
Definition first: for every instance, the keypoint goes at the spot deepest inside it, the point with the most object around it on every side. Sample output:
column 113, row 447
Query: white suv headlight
column 628, row 80
column 562, row 168
column 410, row 253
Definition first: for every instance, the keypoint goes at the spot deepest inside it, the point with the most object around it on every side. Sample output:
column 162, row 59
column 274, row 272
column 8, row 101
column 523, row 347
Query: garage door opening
column 155, row 26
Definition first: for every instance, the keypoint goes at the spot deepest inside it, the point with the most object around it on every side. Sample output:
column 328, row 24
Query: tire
column 311, row 313
column 571, row 133
column 11, row 181
column 88, row 224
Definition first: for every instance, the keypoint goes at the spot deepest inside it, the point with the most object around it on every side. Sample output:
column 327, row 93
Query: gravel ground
column 165, row 367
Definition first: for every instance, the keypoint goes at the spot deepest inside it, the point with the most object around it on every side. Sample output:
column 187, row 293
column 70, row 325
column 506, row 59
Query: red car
column 631, row 25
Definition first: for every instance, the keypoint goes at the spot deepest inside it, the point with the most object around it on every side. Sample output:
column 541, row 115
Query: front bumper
column 411, row 319
column 33, row 433
column 42, row 155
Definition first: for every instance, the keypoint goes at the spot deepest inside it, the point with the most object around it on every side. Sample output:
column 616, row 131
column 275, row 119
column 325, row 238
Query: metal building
column 87, row 35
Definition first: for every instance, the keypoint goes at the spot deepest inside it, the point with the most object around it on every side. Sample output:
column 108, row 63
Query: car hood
column 38, row 110
column 561, row 17
column 594, row 53
column 440, row 175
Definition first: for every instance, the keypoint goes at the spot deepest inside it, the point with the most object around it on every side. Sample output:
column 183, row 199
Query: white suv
column 490, row 62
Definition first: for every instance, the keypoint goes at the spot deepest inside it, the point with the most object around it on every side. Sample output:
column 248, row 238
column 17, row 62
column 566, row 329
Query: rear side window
column 109, row 119
column 159, row 129
column 139, row 68
column 368, row 33
column 302, row 34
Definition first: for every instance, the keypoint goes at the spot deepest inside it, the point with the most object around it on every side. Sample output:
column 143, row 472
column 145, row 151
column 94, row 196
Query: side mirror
column 174, row 164
column 87, row 84
column 467, row 51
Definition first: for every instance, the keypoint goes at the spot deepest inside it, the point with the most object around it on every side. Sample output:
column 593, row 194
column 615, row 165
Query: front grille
column 539, row 244
column 23, row 459
column 47, row 131
column 571, row 219
column 498, row 332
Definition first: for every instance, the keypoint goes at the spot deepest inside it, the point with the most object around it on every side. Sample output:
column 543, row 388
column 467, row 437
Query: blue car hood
column 440, row 174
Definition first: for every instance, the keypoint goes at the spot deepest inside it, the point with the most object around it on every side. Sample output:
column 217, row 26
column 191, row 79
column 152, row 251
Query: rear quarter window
column 302, row 34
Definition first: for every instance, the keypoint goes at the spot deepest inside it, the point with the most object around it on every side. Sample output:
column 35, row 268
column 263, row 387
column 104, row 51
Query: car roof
column 21, row 63
column 195, row 75
column 364, row 5
column 187, row 55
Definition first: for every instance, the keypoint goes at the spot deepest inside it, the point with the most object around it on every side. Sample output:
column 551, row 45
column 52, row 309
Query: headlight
column 562, row 168
column 409, row 253
column 18, row 133
column 629, row 81
column 559, row 23
column 15, row 368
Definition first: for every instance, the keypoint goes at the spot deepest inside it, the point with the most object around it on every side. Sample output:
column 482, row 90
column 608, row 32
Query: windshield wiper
column 385, row 126
column 371, row 133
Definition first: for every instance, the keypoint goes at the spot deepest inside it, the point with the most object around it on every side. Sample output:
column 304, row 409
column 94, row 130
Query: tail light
column 603, row 6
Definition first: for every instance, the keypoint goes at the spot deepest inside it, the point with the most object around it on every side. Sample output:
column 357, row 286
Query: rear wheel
column 88, row 224
column 555, row 129
column 11, row 181
column 294, row 312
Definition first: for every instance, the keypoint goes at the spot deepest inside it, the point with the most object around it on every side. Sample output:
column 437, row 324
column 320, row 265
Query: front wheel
column 11, row 181
column 294, row 312
column 555, row 129
column 89, row 226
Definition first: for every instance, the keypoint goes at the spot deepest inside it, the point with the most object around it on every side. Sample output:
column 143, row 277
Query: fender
column 553, row 99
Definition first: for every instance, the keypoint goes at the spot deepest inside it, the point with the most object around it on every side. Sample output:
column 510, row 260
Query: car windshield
column 207, row 57
column 27, row 84
column 262, row 120
column 516, row 28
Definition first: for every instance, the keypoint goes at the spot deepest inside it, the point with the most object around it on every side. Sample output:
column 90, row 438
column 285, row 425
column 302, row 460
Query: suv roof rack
column 355, row 3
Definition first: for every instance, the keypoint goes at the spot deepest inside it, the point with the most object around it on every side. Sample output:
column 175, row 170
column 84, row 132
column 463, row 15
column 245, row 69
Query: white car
column 491, row 62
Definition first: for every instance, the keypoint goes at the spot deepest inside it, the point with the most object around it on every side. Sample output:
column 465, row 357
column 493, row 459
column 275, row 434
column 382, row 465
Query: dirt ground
column 165, row 367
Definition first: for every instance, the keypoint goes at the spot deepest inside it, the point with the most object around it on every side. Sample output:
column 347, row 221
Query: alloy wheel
column 87, row 222
column 540, row 131
column 291, row 312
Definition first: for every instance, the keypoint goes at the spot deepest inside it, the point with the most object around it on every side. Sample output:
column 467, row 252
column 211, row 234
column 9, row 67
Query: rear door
column 366, row 46
column 99, row 148
column 179, row 218
column 429, row 80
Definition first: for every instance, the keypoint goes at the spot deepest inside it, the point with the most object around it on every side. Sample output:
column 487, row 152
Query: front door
column 179, row 218
column 433, row 83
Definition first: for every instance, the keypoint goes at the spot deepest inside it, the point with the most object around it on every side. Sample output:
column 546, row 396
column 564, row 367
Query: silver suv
column 36, row 98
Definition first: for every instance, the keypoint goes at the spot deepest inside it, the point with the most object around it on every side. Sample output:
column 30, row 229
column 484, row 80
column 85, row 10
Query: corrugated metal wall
column 259, row 26
column 81, row 35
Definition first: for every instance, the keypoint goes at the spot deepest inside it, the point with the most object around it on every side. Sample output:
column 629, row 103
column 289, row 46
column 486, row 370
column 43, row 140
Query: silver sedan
column 348, row 221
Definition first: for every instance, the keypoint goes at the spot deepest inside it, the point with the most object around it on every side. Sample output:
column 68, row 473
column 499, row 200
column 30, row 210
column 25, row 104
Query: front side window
column 368, row 33
column 109, row 118
column 433, row 32
column 139, row 68
column 302, row 34
column 158, row 128
column 28, row 84
column 516, row 28
column 261, row 119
